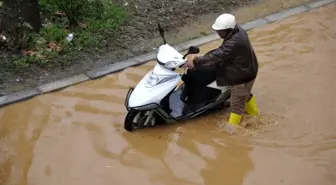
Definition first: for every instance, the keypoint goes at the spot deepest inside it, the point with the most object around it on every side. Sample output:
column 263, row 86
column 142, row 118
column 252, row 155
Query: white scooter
column 156, row 98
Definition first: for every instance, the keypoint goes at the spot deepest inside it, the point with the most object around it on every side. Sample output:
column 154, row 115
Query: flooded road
column 76, row 136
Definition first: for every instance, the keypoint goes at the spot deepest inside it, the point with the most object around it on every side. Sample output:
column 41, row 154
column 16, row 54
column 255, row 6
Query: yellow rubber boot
column 251, row 107
column 235, row 119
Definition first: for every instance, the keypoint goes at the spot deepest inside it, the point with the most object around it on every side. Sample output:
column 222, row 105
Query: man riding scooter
column 235, row 64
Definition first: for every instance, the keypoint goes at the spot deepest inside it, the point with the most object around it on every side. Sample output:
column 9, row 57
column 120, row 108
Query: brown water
column 76, row 136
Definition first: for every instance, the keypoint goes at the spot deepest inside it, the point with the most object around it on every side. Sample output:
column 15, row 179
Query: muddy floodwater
column 76, row 136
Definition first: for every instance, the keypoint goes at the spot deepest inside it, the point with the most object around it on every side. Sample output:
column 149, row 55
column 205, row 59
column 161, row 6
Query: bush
column 90, row 21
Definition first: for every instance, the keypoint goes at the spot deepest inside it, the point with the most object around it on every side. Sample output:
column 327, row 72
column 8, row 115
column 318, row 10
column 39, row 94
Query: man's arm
column 215, row 57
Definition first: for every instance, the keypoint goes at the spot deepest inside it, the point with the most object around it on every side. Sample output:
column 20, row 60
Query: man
column 236, row 65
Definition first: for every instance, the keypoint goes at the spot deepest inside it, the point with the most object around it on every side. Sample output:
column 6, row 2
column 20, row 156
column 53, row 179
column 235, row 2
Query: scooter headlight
column 172, row 64
column 152, row 80
column 155, row 79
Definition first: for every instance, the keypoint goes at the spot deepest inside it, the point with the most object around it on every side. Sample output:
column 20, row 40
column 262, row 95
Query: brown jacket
column 234, row 61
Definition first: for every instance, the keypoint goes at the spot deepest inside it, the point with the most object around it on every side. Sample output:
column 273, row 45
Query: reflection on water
column 76, row 136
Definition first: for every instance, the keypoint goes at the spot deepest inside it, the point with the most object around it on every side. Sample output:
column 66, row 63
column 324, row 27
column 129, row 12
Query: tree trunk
column 28, row 10
column 15, row 15
column 8, row 17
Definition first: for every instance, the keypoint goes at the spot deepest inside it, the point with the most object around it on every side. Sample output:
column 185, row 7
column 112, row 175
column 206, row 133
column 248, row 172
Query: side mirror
column 161, row 31
column 193, row 50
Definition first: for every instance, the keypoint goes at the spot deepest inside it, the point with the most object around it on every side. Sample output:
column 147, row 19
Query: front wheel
column 137, row 119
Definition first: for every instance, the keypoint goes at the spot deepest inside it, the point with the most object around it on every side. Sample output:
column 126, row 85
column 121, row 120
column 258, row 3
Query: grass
column 96, row 22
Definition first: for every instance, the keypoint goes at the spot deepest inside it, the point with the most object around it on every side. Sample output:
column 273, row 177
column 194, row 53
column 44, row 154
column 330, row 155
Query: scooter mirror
column 161, row 31
column 193, row 50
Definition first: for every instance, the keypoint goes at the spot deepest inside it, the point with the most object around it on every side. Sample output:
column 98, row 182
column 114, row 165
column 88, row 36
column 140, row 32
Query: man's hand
column 190, row 62
column 189, row 65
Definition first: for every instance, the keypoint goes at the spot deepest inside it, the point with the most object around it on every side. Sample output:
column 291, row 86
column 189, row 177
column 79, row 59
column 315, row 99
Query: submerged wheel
column 128, row 124
column 137, row 119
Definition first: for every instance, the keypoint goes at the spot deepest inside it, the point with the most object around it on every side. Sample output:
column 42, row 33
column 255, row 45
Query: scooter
column 158, row 99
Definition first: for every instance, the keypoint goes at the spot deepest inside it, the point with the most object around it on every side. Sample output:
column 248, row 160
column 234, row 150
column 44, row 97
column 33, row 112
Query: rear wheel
column 137, row 120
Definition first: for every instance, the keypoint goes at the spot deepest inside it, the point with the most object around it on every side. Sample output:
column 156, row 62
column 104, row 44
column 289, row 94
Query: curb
column 115, row 67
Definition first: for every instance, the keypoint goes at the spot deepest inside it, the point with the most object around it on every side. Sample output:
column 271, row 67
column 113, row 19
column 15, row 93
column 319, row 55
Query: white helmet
column 224, row 21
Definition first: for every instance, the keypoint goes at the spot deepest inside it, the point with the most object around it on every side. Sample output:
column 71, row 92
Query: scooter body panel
column 159, row 84
column 144, row 93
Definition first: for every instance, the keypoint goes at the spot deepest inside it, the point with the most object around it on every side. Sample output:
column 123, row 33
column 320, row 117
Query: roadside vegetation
column 46, row 40
column 44, row 32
